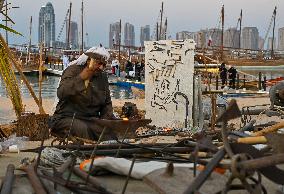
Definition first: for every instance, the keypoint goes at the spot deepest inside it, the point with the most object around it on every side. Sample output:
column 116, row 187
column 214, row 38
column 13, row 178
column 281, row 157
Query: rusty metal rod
column 72, row 186
column 202, row 177
column 34, row 179
column 124, row 152
column 48, row 185
column 92, row 180
column 8, row 180
column 94, row 153
column 262, row 162
column 120, row 144
column 100, row 147
column 129, row 174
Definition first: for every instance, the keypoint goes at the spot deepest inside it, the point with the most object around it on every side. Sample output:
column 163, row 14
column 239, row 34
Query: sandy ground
column 7, row 113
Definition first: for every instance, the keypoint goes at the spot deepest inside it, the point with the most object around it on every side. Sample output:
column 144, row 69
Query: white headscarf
column 83, row 58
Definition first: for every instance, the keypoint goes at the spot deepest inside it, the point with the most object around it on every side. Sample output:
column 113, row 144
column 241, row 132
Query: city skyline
column 100, row 14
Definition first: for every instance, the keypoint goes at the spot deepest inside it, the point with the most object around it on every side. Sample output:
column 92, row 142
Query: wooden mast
column 157, row 31
column 166, row 28
column 273, row 31
column 119, row 41
column 161, row 23
column 82, row 22
column 69, row 27
column 30, row 42
column 240, row 35
column 222, row 35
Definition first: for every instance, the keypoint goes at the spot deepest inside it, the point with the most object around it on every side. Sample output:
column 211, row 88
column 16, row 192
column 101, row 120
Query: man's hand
column 90, row 70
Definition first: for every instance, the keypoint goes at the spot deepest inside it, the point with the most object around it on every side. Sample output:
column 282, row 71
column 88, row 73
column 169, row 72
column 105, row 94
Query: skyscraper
column 144, row 34
column 231, row 38
column 46, row 28
column 114, row 33
column 250, row 37
column 129, row 35
column 183, row 35
column 281, row 39
column 74, row 39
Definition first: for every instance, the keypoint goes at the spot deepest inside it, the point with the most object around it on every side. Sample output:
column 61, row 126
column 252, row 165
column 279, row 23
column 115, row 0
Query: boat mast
column 166, row 27
column 69, row 27
column 222, row 35
column 157, row 31
column 30, row 42
column 161, row 23
column 272, row 44
column 82, row 22
column 240, row 19
column 119, row 41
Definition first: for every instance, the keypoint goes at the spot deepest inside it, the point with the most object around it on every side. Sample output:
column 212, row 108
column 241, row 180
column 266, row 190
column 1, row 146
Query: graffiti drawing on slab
column 164, row 93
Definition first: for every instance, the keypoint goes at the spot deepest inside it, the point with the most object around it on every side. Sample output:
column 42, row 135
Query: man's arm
column 71, row 83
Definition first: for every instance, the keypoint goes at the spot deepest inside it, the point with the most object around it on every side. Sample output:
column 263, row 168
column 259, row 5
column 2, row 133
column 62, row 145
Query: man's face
column 96, row 65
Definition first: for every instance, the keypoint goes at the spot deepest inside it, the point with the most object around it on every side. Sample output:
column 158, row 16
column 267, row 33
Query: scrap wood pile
column 201, row 163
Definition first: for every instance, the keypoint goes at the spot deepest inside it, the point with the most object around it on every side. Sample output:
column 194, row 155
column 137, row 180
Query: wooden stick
column 270, row 129
column 41, row 111
column 252, row 140
column 18, row 67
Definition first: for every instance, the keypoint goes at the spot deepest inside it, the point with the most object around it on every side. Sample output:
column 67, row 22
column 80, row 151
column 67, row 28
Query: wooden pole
column 157, row 31
column 241, row 19
column 213, row 111
column 18, row 67
column 259, row 80
column 273, row 31
column 69, row 27
column 222, row 35
column 30, row 42
column 82, row 21
column 119, row 45
column 161, row 22
column 41, row 111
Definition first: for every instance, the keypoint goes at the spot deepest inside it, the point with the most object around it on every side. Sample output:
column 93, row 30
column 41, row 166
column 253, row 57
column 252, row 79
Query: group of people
column 135, row 69
column 226, row 74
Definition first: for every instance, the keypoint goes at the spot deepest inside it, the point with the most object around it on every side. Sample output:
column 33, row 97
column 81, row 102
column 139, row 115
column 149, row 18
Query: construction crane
column 63, row 25
column 269, row 27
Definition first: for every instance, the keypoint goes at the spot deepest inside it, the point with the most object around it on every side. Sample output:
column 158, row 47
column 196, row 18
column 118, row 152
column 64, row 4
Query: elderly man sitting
column 84, row 96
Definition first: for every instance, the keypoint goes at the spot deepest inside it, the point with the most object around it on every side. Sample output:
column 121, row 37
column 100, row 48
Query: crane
column 63, row 25
column 269, row 27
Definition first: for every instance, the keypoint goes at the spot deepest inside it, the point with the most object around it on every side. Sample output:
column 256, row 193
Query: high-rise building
column 269, row 44
column 129, row 35
column 183, row 35
column 74, row 36
column 250, row 37
column 46, row 27
column 232, row 38
column 281, row 39
column 114, row 34
column 144, row 34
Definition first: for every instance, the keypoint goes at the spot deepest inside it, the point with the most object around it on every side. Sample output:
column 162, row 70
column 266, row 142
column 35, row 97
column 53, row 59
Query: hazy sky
column 190, row 15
